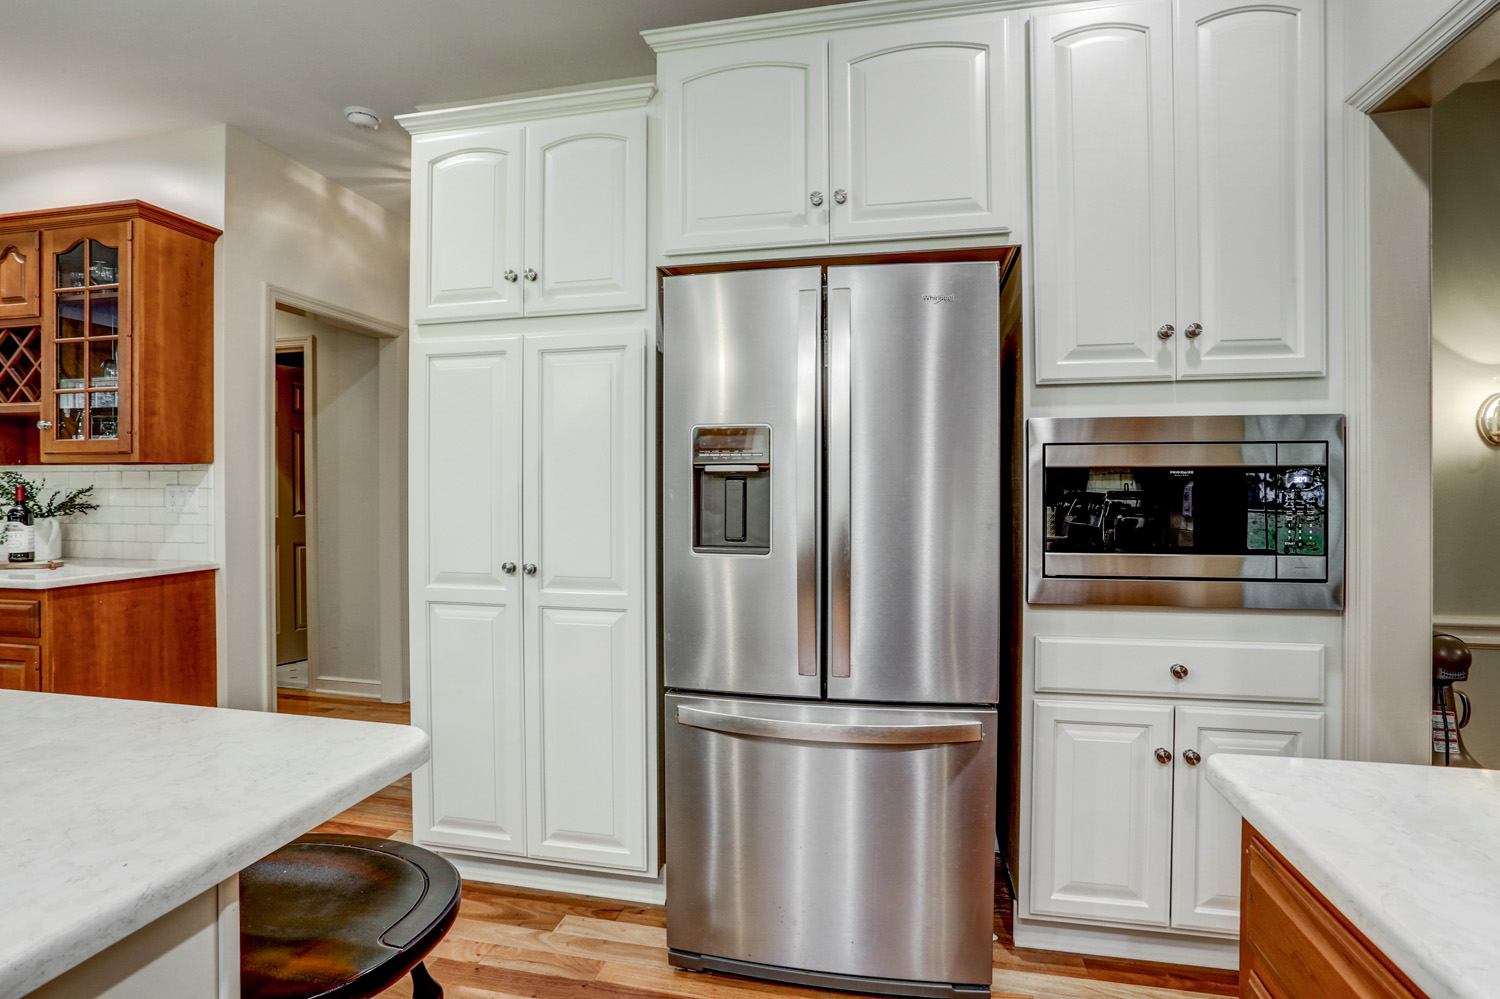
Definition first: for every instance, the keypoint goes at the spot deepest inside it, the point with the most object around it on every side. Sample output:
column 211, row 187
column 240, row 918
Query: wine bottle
column 20, row 535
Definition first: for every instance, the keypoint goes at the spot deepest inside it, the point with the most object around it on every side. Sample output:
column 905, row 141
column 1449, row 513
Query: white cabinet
column 1178, row 191
column 896, row 130
column 528, row 568
column 1124, row 826
column 541, row 218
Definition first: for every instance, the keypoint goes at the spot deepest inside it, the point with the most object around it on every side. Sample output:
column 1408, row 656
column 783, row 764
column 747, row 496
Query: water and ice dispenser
column 732, row 490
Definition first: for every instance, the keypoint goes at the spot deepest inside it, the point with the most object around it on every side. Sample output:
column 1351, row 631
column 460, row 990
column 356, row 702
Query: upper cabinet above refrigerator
column 1177, row 158
column 880, row 132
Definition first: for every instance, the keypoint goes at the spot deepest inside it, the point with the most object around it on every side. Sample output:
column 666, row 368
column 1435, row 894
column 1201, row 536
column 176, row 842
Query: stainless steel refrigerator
column 831, row 568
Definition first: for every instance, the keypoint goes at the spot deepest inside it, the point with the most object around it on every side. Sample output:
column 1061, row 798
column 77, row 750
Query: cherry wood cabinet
column 106, row 336
column 149, row 639
column 1295, row 944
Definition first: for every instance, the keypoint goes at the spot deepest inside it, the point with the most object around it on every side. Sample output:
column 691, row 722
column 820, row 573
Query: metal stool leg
column 423, row 985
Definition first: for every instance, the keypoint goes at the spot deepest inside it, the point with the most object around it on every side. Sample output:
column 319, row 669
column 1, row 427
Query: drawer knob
column 1179, row 671
column 1163, row 756
column 1191, row 758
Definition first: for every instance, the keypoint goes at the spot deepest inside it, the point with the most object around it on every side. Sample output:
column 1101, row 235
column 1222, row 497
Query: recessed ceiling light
column 363, row 118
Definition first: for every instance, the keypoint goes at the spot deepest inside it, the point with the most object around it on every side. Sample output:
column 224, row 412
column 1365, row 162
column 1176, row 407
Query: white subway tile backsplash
column 132, row 520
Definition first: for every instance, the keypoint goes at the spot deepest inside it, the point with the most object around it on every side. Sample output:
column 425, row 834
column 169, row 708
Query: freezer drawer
column 834, row 839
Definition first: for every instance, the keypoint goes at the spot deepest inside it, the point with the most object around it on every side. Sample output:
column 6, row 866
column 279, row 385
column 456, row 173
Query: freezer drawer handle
column 802, row 731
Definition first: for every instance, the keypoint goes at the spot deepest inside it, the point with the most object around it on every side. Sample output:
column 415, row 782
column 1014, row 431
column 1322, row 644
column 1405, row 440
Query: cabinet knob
column 1193, row 332
column 511, row 276
column 44, row 424
column 529, row 568
column 1192, row 758
column 816, row 198
column 509, row 568
column 1166, row 331
column 530, row 274
column 1163, row 756
column 1179, row 671
column 840, row 196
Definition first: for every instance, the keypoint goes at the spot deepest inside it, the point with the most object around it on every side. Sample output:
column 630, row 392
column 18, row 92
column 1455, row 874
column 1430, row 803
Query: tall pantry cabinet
column 529, row 492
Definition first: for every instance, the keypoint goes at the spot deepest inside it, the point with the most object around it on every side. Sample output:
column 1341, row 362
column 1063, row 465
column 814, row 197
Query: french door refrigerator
column 831, row 572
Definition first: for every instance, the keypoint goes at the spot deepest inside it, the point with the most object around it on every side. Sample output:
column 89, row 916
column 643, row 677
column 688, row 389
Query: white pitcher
column 48, row 539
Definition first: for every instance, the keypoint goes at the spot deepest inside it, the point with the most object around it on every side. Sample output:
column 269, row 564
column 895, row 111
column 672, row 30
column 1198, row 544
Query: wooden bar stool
column 343, row 917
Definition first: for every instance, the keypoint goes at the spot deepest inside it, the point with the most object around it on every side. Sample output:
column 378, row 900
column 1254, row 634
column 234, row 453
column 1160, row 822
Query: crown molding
column 527, row 108
column 840, row 16
column 113, row 211
column 1437, row 39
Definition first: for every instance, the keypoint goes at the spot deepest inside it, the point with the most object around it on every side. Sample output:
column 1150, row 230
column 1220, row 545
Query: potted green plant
column 44, row 512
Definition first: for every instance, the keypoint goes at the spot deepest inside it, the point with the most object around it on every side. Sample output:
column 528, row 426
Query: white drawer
column 1241, row 671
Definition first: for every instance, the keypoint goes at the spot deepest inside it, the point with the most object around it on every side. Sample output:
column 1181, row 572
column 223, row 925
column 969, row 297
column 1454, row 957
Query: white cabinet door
column 1101, row 823
column 466, row 222
column 1206, row 828
column 586, row 214
column 923, row 131
column 746, row 145
column 586, row 674
column 1104, row 266
column 1250, row 188
column 467, row 689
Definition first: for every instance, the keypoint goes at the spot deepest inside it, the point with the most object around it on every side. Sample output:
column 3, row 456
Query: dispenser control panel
column 732, row 490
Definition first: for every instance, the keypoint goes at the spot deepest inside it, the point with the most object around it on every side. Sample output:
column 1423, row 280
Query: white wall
column 1375, row 31
column 286, row 227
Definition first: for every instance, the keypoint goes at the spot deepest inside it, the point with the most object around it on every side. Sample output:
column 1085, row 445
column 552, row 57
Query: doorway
column 338, row 544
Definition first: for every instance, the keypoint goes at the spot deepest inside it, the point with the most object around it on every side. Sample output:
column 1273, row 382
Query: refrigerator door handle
column 840, row 470
column 803, row 731
column 809, row 496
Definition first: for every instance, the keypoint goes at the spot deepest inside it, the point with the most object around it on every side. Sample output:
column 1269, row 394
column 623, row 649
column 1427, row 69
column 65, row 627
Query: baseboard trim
column 1131, row 945
column 621, row 888
column 347, row 686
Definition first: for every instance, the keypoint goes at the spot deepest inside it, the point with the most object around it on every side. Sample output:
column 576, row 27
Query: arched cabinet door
column 466, row 219
column 928, row 130
column 586, row 214
column 746, row 145
column 21, row 274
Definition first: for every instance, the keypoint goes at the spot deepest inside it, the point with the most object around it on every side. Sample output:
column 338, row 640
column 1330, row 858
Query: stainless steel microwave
column 1201, row 511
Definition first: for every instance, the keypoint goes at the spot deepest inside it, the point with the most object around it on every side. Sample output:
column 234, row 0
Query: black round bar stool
column 343, row 917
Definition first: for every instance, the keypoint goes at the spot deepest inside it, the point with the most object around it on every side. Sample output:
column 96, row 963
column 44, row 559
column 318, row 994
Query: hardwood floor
column 513, row 944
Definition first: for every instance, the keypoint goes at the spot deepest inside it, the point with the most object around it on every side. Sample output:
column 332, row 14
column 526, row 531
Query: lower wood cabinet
column 1295, row 944
column 529, row 665
column 1124, row 826
column 147, row 639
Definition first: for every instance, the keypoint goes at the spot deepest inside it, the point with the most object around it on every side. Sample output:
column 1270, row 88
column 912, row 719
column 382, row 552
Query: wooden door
column 20, row 667
column 87, row 387
column 466, row 224
column 21, row 274
column 1250, row 188
column 1101, row 822
column 927, row 129
column 746, row 145
column 1104, row 261
column 587, row 684
column 1206, row 828
column 586, row 214
column 291, row 515
column 467, row 681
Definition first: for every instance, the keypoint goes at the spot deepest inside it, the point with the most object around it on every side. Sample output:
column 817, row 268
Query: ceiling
column 92, row 71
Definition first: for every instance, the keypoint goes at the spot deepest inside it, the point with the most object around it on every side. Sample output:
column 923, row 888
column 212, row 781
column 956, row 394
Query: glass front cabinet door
column 86, row 384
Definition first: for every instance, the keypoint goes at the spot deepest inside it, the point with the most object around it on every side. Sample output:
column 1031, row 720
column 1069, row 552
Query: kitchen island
column 124, row 824
column 1367, row 879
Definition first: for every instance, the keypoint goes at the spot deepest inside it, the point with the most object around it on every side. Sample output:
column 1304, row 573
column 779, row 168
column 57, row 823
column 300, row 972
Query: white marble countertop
column 1409, row 854
column 113, row 813
column 82, row 571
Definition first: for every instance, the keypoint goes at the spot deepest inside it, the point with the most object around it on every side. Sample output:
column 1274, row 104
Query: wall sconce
column 1488, row 420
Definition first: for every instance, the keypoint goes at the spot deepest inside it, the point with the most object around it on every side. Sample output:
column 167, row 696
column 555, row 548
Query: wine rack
column 20, row 369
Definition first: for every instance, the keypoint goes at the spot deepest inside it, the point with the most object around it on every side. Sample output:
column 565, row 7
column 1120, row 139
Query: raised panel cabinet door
column 466, row 224
column 1206, row 828
column 587, row 684
column 20, row 667
column 924, row 131
column 746, row 145
column 1250, row 189
column 1101, row 817
column 586, row 214
column 21, row 274
column 1103, row 261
